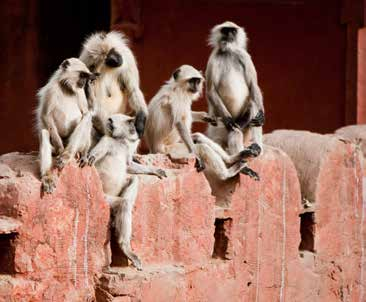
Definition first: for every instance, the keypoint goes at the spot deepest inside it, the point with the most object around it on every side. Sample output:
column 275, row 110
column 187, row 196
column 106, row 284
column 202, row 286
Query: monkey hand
column 210, row 120
column 250, row 173
column 140, row 121
column 160, row 173
column 229, row 123
column 199, row 165
column 83, row 161
column 258, row 120
column 91, row 160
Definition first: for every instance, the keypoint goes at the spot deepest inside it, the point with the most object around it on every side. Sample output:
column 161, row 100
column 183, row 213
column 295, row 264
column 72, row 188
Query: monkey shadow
column 118, row 258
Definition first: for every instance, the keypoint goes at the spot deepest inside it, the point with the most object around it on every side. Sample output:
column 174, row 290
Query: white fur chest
column 234, row 91
column 112, row 170
column 67, row 116
column 109, row 94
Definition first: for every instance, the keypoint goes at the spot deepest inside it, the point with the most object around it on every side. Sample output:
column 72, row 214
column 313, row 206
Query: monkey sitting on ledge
column 63, row 119
column 170, row 120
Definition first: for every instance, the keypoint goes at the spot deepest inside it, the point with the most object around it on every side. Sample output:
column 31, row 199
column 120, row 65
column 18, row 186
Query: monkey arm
column 99, row 151
column 136, row 101
column 56, row 140
column 250, row 75
column 185, row 136
column 187, row 139
column 136, row 168
column 203, row 117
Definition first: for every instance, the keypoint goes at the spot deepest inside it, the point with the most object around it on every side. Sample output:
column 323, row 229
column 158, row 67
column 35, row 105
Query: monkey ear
column 176, row 74
column 65, row 64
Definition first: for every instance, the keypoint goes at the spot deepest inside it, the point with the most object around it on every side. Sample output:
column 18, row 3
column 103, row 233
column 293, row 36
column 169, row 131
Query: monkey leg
column 235, row 141
column 257, row 140
column 218, row 134
column 45, row 158
column 79, row 141
column 122, row 219
column 215, row 164
column 251, row 173
column 228, row 159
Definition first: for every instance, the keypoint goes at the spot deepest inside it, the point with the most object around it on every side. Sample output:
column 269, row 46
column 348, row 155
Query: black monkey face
column 194, row 85
column 113, row 59
column 228, row 34
column 122, row 126
column 84, row 77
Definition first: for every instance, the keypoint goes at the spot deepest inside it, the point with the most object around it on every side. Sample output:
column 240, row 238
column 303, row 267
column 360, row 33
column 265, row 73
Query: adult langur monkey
column 63, row 118
column 170, row 120
column 118, row 84
column 233, row 92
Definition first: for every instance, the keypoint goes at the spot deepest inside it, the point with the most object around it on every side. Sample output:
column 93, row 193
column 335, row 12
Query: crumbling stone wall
column 249, row 241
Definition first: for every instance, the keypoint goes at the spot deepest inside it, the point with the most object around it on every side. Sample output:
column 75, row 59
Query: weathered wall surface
column 194, row 246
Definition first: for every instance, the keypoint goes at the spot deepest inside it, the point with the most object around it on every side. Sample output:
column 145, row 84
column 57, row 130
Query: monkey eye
column 226, row 30
column 84, row 75
column 194, row 81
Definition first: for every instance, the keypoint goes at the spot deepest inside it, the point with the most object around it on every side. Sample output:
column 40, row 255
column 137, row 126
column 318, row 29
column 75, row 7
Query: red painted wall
column 297, row 46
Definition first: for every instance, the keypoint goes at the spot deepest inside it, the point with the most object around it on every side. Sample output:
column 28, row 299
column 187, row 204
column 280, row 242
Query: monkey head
column 103, row 51
column 122, row 126
column 73, row 74
column 228, row 35
column 190, row 79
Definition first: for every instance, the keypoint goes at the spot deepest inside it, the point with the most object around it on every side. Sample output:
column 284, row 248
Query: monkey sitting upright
column 170, row 119
column 118, row 84
column 112, row 157
column 63, row 119
column 232, row 91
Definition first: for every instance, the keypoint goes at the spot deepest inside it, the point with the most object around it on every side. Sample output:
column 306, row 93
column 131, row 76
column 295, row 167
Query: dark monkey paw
column 140, row 121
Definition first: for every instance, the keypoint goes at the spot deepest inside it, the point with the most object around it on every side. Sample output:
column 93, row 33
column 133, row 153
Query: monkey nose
column 114, row 59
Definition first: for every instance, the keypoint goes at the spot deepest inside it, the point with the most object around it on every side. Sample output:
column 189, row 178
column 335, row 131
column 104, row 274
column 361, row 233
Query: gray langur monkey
column 233, row 92
column 170, row 120
column 112, row 157
column 63, row 119
column 118, row 84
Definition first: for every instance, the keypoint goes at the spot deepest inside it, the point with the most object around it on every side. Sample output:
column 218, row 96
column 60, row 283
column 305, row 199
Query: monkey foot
column 251, row 173
column 199, row 165
column 160, row 173
column 48, row 184
column 62, row 160
column 136, row 262
column 252, row 151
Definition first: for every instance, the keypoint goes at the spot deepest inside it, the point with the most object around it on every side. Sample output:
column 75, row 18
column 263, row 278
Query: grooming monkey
column 112, row 157
column 170, row 119
column 118, row 83
column 233, row 92
column 63, row 119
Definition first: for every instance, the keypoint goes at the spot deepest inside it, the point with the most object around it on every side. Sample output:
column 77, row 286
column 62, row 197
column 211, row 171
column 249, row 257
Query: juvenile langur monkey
column 112, row 157
column 233, row 92
column 63, row 119
column 170, row 119
column 118, row 84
